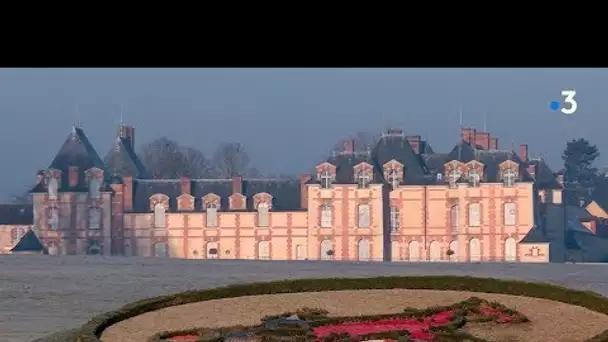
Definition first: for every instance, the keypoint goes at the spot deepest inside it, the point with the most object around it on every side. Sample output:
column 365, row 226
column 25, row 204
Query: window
column 264, row 250
column 439, row 177
column 363, row 180
column 510, row 250
column 364, row 216
column 395, row 219
column 53, row 218
column 94, row 187
column 474, row 214
column 160, row 250
column 211, row 219
column 325, row 180
column 509, row 213
column 94, row 248
column 326, row 215
column 159, row 215
column 263, row 215
column 535, row 251
column 363, row 249
column 454, row 176
column 393, row 178
column 508, row 177
column 474, row 178
column 94, row 218
column 53, row 188
column 455, row 218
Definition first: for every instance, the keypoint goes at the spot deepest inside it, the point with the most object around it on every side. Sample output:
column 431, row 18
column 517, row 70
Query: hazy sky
column 289, row 118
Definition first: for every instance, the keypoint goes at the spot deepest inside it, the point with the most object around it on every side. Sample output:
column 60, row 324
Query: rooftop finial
column 121, row 122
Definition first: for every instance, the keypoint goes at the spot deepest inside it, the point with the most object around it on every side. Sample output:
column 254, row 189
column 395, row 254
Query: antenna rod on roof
column 121, row 114
column 485, row 121
column 460, row 142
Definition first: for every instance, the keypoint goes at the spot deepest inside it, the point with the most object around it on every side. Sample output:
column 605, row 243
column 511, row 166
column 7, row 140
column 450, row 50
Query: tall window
column 509, row 213
column 53, row 187
column 264, row 250
column 159, row 215
column 53, row 218
column 474, row 214
column 326, row 215
column 94, row 218
column 325, row 180
column 263, row 215
column 508, row 177
column 455, row 218
column 453, row 176
column 395, row 219
column 211, row 219
column 363, row 180
column 393, row 178
column 94, row 187
column 364, row 213
column 474, row 178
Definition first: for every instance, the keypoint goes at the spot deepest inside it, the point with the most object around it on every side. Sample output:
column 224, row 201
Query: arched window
column 363, row 180
column 395, row 251
column 264, row 250
column 325, row 180
column 508, row 177
column 326, row 250
column 454, row 248
column 474, row 250
column 510, row 250
column 53, row 187
column 211, row 219
column 455, row 218
column 474, row 215
column 509, row 213
column 159, row 215
column 300, row 252
column 474, row 178
column 263, row 214
column 326, row 215
column 94, row 218
column 364, row 215
column 414, row 251
column 363, row 249
column 434, row 251
column 395, row 219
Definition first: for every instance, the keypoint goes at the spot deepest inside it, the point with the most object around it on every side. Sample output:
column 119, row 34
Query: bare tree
column 363, row 141
column 196, row 165
column 163, row 159
column 231, row 159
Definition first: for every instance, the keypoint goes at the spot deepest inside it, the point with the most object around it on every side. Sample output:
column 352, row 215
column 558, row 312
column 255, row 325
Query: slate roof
column 285, row 192
column 16, row 214
column 78, row 151
column 29, row 243
column 544, row 176
column 121, row 160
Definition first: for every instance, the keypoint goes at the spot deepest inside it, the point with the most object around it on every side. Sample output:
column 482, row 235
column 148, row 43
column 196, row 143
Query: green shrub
column 91, row 330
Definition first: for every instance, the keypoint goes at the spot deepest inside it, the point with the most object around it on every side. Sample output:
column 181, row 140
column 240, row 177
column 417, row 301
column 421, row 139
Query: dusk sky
column 289, row 119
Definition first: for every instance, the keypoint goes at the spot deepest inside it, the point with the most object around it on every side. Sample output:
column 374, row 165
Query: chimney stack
column 128, row 193
column 414, row 141
column 72, row 176
column 127, row 133
column 523, row 152
column 185, row 185
column 467, row 135
column 237, row 184
column 349, row 146
column 493, row 143
column 482, row 139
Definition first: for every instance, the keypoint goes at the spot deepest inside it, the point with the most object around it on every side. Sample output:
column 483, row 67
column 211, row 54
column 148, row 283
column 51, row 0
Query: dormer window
column 393, row 178
column 508, row 177
column 53, row 187
column 474, row 178
column 439, row 177
column 454, row 176
column 94, row 187
column 325, row 179
column 363, row 180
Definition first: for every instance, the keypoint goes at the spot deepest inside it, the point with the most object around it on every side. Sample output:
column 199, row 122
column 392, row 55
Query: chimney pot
column 349, row 146
column 482, row 139
column 523, row 152
column 467, row 134
column 414, row 141
column 493, row 143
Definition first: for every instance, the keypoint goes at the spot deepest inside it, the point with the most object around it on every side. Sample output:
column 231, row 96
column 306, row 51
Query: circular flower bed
column 309, row 325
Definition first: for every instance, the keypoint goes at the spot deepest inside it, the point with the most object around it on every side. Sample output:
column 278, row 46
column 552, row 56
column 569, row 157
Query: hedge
column 92, row 330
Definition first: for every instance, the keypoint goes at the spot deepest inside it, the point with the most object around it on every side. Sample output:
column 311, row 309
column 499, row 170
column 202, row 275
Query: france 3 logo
column 569, row 105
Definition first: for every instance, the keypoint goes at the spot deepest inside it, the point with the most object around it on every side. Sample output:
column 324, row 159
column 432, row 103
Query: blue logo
column 554, row 106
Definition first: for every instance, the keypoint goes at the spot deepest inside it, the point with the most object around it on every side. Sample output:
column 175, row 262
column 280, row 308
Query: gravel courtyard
column 43, row 294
